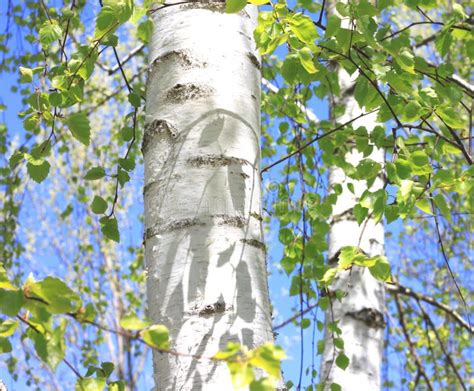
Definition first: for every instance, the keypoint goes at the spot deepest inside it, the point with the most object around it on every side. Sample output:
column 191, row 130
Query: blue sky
column 289, row 337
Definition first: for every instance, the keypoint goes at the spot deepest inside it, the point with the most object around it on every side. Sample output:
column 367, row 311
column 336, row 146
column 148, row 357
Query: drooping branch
column 419, row 366
column 314, row 139
column 398, row 289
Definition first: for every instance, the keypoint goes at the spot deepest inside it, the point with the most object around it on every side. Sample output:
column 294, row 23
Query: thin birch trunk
column 361, row 312
column 204, row 247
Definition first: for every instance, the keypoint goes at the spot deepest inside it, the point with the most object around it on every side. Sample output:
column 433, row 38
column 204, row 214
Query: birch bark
column 360, row 314
column 204, row 247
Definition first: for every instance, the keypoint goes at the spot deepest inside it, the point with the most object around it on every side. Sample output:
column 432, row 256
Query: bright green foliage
column 99, row 205
column 241, row 362
column 156, row 336
column 49, row 32
column 79, row 127
column 80, row 138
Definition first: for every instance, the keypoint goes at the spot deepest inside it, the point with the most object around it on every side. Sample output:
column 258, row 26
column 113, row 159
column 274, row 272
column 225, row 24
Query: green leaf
column 412, row 111
column 127, row 164
column 442, row 205
column 91, row 384
column 451, row 116
column 424, row 205
column 132, row 322
column 241, row 374
column 157, row 336
column 38, row 169
column 99, row 205
column 5, row 345
column 264, row 384
column 268, row 357
column 420, row 158
column 49, row 32
column 80, row 128
column 360, row 91
column 126, row 133
column 360, row 213
column 108, row 368
column 333, row 24
column 111, row 16
column 406, row 61
column 11, row 301
column 109, row 227
column 8, row 327
column 94, row 173
column 57, row 296
column 342, row 361
column 145, row 30
column 50, row 347
column 233, row 6
column 303, row 27
column 116, row 386
column 306, row 58
column 26, row 75
column 381, row 269
column 403, row 168
column 122, row 177
column 134, row 99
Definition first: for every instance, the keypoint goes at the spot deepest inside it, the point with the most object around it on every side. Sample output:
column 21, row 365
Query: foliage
column 81, row 120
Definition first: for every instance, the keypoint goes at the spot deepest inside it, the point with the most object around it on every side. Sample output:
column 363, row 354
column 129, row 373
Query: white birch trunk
column 204, row 247
column 361, row 311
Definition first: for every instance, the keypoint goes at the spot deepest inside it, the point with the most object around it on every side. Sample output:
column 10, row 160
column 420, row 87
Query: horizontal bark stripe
column 216, row 161
column 238, row 221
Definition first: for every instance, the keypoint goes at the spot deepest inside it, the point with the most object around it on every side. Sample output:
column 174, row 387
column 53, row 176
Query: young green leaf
column 79, row 126
column 342, row 361
column 5, row 345
column 109, row 227
column 157, row 336
column 49, row 32
column 94, row 173
column 26, row 75
column 233, row 6
column 54, row 293
column 98, row 205
column 132, row 322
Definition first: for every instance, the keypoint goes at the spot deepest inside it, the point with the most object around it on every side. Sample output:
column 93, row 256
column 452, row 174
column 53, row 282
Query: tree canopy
column 72, row 276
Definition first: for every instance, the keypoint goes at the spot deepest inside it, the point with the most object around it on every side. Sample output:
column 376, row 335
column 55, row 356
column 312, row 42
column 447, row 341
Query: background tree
column 77, row 78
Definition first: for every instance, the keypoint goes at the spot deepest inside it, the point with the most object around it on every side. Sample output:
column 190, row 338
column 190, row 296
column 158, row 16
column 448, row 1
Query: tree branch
column 399, row 289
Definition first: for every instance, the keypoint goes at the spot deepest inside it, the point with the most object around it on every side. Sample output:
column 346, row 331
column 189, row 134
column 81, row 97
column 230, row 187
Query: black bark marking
column 371, row 317
column 254, row 60
column 215, row 308
column 189, row 91
column 254, row 243
column 234, row 221
column 215, row 161
column 347, row 215
column 182, row 57
column 173, row 225
column 155, row 127
column 256, row 216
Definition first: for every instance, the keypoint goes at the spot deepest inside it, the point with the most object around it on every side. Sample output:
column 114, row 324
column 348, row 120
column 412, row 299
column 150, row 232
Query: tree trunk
column 360, row 314
column 204, row 247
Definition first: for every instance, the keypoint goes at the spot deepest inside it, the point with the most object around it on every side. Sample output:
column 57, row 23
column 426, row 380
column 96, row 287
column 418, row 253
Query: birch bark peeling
column 360, row 314
column 204, row 240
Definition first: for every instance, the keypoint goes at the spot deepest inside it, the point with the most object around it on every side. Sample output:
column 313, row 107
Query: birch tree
column 338, row 88
column 359, row 316
column 203, row 221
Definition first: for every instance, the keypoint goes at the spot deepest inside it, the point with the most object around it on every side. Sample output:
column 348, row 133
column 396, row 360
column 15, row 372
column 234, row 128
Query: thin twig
column 399, row 289
column 313, row 140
